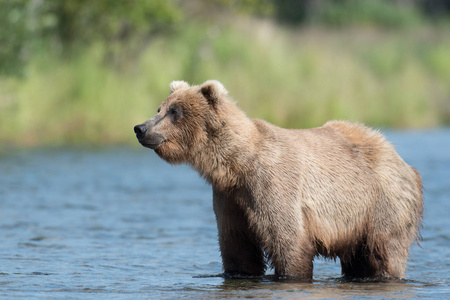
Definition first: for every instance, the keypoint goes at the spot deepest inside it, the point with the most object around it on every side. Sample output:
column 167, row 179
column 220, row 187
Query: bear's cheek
column 181, row 138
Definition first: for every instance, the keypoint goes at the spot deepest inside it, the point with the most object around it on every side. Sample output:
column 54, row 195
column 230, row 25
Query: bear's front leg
column 286, row 242
column 293, row 262
column 241, row 252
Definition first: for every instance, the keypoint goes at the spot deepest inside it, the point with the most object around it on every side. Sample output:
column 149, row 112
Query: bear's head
column 185, row 121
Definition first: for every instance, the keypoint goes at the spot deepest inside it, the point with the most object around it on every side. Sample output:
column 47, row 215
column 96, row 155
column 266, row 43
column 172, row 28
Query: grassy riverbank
column 293, row 78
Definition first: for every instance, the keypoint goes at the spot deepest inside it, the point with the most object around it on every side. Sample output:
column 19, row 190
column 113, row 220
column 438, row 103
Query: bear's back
column 363, row 141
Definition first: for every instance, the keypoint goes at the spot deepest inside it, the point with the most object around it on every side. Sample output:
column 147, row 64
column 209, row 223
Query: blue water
column 121, row 223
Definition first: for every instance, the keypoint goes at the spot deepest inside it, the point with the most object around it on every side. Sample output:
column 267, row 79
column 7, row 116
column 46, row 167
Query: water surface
column 121, row 223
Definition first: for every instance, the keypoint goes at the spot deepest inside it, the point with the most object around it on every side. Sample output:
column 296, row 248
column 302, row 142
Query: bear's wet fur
column 285, row 195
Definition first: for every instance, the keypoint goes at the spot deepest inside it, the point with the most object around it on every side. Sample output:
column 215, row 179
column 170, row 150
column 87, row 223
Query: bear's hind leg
column 361, row 264
column 397, row 256
column 384, row 259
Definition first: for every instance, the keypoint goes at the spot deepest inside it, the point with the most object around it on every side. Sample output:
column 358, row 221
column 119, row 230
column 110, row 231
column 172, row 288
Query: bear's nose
column 140, row 130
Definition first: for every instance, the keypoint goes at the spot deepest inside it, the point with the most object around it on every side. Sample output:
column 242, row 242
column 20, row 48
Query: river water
column 121, row 223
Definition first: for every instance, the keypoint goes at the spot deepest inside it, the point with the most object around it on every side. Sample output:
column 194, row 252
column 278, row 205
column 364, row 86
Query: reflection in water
column 333, row 288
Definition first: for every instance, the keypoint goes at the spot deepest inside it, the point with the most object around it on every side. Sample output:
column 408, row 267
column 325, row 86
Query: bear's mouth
column 151, row 145
column 150, row 140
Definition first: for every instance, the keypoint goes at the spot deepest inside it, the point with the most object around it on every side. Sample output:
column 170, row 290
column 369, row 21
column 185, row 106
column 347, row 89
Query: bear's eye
column 159, row 109
column 173, row 111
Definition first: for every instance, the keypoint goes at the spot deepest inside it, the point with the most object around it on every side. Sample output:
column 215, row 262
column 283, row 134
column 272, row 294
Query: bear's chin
column 151, row 146
column 169, row 156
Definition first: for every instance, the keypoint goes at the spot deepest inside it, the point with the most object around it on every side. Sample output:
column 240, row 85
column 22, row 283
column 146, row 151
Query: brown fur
column 340, row 190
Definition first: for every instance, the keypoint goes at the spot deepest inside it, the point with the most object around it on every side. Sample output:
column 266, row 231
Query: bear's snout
column 148, row 137
column 140, row 130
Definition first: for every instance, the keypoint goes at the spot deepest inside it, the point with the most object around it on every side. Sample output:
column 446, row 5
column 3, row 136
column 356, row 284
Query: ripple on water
column 122, row 223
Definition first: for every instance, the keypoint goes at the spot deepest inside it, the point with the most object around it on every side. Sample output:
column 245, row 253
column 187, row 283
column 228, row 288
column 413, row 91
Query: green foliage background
column 86, row 72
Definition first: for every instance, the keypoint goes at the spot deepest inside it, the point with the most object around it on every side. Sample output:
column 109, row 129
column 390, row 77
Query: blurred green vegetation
column 86, row 72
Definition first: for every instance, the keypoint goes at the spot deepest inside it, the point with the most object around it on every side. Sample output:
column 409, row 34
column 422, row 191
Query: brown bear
column 287, row 195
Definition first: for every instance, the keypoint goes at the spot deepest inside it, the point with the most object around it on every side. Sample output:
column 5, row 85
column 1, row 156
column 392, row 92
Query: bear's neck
column 229, row 156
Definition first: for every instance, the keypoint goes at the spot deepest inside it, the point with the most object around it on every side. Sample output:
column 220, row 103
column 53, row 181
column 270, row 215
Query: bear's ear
column 177, row 85
column 213, row 90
